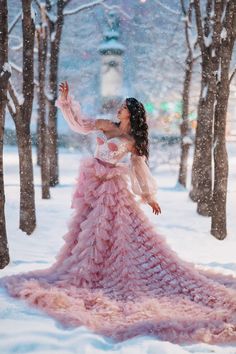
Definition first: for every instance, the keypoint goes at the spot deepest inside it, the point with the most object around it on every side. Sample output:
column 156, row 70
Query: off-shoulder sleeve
column 143, row 183
column 72, row 113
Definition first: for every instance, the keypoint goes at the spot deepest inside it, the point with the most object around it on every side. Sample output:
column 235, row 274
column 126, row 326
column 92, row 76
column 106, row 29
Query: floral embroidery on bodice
column 110, row 149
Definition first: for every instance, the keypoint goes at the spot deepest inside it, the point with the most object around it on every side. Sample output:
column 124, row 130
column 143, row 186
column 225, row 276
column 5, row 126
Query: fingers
column 156, row 209
column 64, row 87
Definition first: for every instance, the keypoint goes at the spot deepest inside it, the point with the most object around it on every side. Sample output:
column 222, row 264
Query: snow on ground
column 27, row 330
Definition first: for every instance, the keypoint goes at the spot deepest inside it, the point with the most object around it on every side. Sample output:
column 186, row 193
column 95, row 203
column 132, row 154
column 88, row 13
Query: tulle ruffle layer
column 117, row 275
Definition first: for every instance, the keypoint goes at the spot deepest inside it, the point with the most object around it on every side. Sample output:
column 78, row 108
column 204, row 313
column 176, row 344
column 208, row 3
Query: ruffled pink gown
column 115, row 274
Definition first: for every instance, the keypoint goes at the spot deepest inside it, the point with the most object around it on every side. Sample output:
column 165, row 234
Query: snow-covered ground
column 26, row 330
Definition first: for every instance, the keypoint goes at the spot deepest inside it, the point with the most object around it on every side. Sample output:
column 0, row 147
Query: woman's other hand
column 64, row 90
column 155, row 207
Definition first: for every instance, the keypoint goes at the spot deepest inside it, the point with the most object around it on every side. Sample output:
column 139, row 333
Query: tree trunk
column 4, row 76
column 193, row 194
column 209, row 39
column 218, row 222
column 55, row 35
column 27, row 199
column 205, row 123
column 38, row 137
column 43, row 134
column 201, row 190
column 184, row 128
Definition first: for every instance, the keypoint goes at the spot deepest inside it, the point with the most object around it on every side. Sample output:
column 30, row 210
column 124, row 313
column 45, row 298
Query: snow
column 204, row 92
column 16, row 67
column 223, row 34
column 112, row 45
column 53, row 36
column 7, row 67
column 187, row 140
column 208, row 40
column 11, row 102
column 219, row 72
column 27, row 330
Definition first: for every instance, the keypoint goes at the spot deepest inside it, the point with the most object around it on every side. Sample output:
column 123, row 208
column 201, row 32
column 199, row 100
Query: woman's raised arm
column 72, row 113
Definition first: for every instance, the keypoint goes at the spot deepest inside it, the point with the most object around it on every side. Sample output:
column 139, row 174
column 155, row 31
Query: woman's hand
column 155, row 207
column 64, row 90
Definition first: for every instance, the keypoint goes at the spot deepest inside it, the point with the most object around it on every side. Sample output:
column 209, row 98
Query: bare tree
column 21, row 111
column 4, row 77
column 209, row 43
column 42, row 151
column 55, row 32
column 228, row 35
column 184, row 127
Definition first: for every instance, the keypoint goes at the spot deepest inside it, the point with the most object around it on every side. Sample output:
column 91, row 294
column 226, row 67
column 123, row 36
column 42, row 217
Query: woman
column 115, row 274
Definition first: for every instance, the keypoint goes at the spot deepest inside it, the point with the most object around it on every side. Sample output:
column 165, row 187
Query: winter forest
column 178, row 57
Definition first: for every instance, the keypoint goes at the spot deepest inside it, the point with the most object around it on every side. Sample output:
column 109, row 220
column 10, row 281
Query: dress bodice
column 110, row 149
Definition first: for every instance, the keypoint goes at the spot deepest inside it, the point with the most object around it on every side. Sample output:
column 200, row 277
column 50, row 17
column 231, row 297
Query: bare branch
column 232, row 75
column 13, row 95
column 167, row 8
column 14, row 22
column 198, row 17
column 11, row 109
column 40, row 5
column 83, row 7
column 188, row 23
column 16, row 67
column 197, row 57
column 37, row 2
column 116, row 7
column 183, row 7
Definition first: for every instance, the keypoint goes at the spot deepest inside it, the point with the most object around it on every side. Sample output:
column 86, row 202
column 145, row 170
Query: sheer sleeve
column 72, row 113
column 143, row 182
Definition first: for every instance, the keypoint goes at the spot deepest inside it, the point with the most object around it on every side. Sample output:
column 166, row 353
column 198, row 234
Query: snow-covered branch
column 19, row 70
column 13, row 102
column 167, row 8
column 82, row 7
column 116, row 7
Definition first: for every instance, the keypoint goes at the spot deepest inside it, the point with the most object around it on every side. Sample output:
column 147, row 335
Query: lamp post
column 111, row 75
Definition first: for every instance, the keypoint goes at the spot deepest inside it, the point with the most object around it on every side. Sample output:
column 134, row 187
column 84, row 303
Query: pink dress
column 115, row 274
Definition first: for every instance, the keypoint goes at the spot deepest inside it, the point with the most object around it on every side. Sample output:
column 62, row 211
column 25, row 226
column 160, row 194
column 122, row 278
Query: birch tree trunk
column 4, row 76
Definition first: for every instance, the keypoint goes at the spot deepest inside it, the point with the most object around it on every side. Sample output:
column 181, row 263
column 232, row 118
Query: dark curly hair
column 139, row 126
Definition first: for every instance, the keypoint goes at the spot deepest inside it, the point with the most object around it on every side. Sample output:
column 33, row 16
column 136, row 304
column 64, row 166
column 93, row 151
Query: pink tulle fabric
column 117, row 275
column 74, row 116
column 142, row 181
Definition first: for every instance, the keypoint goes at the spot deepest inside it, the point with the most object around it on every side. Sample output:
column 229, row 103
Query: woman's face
column 123, row 112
